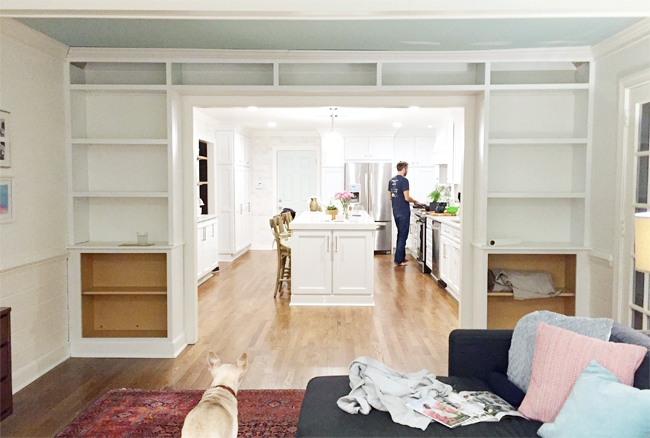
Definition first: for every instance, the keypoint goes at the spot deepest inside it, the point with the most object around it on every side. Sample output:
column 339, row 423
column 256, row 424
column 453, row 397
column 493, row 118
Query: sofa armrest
column 477, row 353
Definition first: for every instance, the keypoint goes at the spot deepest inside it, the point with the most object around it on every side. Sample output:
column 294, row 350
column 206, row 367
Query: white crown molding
column 622, row 39
column 323, row 9
column 270, row 133
column 13, row 29
column 575, row 54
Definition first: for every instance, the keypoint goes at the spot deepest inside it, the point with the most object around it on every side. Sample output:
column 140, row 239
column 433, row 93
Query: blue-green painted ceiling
column 373, row 35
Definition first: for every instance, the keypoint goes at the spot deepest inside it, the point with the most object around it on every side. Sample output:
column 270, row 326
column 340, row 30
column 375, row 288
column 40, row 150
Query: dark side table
column 6, row 397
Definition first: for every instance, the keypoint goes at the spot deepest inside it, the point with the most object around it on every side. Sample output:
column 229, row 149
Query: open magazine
column 464, row 408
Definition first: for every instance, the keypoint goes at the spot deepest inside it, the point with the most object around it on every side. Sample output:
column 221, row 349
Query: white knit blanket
column 375, row 385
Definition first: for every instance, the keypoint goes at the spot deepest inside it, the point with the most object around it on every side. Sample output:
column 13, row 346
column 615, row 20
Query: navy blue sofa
column 474, row 356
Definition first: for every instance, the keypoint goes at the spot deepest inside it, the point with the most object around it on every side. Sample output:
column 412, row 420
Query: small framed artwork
column 5, row 145
column 6, row 205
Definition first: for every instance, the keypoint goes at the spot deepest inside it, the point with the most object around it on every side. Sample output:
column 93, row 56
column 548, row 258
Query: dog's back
column 216, row 414
column 214, row 417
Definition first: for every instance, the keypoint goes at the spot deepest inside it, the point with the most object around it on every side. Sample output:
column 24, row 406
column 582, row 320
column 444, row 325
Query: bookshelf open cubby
column 122, row 168
column 124, row 295
column 537, row 220
column 334, row 74
column 429, row 73
column 504, row 311
column 544, row 168
column 118, row 73
column 538, row 114
column 518, row 73
column 225, row 74
column 118, row 219
column 98, row 114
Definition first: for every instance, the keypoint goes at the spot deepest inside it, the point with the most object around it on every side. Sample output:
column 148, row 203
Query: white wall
column 263, row 202
column 33, row 278
column 610, row 69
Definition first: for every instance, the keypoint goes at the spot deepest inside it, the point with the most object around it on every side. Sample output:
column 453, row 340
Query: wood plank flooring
column 407, row 329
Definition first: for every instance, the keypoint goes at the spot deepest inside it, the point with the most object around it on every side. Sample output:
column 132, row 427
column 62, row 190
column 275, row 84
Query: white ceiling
column 413, row 120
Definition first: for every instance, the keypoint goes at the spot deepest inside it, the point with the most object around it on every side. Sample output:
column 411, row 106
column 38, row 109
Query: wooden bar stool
column 282, row 238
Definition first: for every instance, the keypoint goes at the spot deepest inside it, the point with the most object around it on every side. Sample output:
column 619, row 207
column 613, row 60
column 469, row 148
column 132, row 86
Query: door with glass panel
column 637, row 189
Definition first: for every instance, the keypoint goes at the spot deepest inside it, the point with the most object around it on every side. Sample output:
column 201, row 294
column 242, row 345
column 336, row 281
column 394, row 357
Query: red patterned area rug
column 135, row 413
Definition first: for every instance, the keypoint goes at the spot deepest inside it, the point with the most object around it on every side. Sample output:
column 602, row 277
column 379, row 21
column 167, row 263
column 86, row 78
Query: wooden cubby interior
column 504, row 311
column 203, row 176
column 124, row 295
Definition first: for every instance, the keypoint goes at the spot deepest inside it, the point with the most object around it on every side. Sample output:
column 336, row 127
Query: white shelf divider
column 120, row 87
column 537, row 141
column 120, row 194
column 550, row 195
column 541, row 87
column 120, row 141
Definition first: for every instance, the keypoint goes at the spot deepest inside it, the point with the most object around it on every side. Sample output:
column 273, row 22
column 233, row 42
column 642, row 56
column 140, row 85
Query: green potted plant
column 332, row 210
column 434, row 196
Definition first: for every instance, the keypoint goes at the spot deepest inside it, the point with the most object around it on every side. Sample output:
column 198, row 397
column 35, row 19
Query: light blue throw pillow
column 601, row 406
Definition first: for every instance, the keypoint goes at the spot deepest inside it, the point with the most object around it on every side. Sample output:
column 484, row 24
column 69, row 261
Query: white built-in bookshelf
column 127, row 300
column 536, row 182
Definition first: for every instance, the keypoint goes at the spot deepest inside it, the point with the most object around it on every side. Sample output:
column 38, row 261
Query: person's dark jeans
column 403, row 223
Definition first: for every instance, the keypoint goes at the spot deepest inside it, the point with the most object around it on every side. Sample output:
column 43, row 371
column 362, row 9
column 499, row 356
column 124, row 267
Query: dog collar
column 228, row 388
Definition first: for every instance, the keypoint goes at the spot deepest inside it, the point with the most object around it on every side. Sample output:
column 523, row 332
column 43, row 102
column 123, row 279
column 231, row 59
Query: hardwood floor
column 407, row 329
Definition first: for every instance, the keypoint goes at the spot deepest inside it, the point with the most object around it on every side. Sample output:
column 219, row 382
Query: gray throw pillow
column 522, row 348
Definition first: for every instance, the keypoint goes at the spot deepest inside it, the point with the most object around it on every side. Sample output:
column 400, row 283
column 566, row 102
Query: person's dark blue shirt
column 397, row 186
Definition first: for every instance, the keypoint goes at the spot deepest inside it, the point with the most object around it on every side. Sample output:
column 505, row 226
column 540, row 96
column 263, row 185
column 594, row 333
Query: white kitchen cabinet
column 380, row 148
column 241, row 150
column 311, row 270
column 424, row 151
column 356, row 148
column 233, row 196
column 333, row 180
column 207, row 248
column 450, row 258
column 404, row 149
column 332, row 263
column 351, row 267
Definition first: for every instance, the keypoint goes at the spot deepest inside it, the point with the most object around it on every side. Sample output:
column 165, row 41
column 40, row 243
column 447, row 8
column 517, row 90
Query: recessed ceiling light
column 429, row 126
column 252, row 108
column 272, row 124
column 414, row 108
column 397, row 125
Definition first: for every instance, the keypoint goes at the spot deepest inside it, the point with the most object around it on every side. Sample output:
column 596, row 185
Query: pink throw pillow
column 560, row 357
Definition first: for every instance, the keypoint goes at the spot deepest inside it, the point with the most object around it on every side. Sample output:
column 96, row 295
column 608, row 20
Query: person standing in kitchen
column 398, row 190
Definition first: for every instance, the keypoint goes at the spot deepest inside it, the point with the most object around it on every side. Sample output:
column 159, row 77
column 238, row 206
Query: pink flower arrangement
column 344, row 196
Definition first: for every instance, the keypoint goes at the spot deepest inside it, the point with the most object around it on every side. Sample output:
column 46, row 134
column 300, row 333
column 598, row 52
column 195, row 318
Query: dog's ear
column 242, row 362
column 213, row 359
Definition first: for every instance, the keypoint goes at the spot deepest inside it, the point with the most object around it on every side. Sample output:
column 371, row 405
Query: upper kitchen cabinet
column 241, row 150
column 417, row 151
column 369, row 148
column 356, row 148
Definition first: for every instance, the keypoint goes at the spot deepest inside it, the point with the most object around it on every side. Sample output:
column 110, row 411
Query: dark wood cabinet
column 6, row 397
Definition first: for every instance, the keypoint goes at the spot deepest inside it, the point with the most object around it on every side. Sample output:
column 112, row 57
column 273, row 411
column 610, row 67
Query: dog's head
column 225, row 373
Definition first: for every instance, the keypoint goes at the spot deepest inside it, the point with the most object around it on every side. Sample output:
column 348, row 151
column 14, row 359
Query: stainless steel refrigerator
column 368, row 183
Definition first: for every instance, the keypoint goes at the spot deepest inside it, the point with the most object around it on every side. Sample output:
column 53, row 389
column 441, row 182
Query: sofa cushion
column 601, row 406
column 504, row 388
column 321, row 417
column 627, row 335
column 560, row 357
column 522, row 347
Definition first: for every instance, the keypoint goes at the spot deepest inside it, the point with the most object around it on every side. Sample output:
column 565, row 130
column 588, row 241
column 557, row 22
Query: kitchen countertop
column 316, row 221
column 447, row 220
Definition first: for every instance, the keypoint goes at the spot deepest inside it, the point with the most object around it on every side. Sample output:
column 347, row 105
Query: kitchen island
column 332, row 263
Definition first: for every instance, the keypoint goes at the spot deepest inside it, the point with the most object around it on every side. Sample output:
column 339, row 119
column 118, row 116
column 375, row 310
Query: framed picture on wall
column 6, row 206
column 5, row 146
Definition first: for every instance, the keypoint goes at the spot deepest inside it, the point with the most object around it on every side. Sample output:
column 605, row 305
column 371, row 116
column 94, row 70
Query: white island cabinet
column 332, row 262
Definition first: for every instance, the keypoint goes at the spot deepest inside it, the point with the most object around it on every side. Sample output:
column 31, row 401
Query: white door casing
column 635, row 91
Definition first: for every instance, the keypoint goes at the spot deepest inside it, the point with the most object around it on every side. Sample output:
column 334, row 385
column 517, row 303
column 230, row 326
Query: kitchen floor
column 407, row 329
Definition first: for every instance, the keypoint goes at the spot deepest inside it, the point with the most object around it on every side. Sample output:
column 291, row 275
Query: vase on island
column 344, row 197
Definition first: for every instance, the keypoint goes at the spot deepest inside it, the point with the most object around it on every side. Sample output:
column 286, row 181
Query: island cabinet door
column 353, row 263
column 311, row 263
